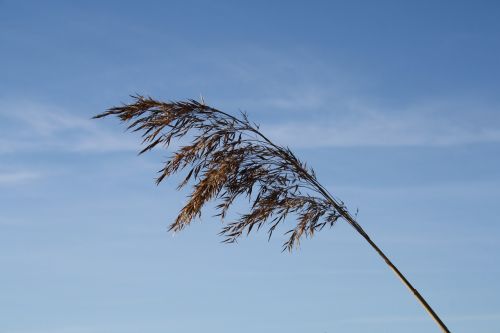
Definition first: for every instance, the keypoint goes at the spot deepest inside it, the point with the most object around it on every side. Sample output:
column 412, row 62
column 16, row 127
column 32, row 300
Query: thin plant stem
column 347, row 216
column 228, row 158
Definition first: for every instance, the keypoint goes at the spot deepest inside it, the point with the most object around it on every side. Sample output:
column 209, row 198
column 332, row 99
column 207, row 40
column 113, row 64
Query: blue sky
column 395, row 104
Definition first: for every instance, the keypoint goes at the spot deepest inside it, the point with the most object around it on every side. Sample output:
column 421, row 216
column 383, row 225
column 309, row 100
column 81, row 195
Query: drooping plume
column 227, row 158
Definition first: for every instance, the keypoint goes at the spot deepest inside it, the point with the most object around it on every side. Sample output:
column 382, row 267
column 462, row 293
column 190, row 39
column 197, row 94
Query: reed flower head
column 228, row 157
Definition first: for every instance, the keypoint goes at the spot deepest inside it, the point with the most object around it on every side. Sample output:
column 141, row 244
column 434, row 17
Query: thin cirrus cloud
column 35, row 127
column 312, row 110
column 380, row 133
column 16, row 177
column 417, row 319
column 365, row 126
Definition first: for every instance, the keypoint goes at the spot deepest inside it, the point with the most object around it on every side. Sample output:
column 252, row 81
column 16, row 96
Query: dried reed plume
column 227, row 158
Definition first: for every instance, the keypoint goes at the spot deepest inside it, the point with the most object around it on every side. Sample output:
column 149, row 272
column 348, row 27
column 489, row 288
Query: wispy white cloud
column 368, row 126
column 16, row 177
column 476, row 317
column 307, row 106
column 305, row 102
column 36, row 127
column 417, row 319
